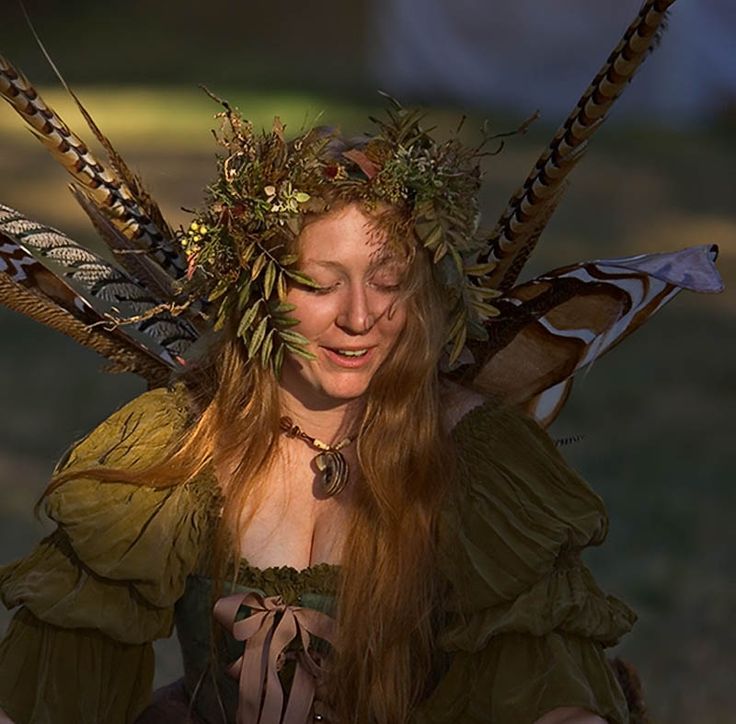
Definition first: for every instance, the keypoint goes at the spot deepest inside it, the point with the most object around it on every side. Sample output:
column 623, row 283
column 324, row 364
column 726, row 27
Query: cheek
column 393, row 324
column 314, row 313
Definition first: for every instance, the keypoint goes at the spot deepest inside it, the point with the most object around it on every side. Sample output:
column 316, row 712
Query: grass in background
column 656, row 413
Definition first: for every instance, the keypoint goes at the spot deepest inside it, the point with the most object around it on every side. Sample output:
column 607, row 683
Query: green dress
column 527, row 624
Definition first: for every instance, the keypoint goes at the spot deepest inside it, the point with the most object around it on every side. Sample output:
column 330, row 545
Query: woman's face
column 355, row 317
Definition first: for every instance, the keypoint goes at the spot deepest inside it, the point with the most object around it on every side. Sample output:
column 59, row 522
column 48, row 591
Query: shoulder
column 518, row 507
column 135, row 434
column 128, row 531
column 457, row 402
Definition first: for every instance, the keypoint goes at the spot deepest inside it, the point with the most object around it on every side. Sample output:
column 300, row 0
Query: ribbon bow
column 270, row 628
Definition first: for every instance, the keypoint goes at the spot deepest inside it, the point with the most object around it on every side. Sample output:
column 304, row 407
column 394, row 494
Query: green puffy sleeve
column 96, row 592
column 527, row 624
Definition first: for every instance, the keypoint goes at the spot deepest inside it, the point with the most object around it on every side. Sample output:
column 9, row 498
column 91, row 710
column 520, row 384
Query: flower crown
column 240, row 248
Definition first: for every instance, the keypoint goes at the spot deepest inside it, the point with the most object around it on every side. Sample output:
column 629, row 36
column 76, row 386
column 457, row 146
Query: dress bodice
column 209, row 686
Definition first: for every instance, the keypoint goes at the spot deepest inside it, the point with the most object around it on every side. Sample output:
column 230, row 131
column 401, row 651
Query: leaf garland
column 241, row 247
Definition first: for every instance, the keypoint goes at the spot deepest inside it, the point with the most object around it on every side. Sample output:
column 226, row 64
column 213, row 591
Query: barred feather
column 111, row 197
column 526, row 215
column 40, row 258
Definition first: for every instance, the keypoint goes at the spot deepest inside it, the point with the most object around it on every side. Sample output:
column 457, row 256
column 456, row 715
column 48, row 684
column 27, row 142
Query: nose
column 357, row 313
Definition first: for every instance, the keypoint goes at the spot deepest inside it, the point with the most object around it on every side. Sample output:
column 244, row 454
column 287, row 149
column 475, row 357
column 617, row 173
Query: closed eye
column 386, row 288
column 318, row 290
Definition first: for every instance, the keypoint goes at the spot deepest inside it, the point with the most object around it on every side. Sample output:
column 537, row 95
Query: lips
column 347, row 357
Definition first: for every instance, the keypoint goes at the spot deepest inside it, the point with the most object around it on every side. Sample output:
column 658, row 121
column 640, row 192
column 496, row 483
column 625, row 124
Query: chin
column 345, row 391
column 324, row 387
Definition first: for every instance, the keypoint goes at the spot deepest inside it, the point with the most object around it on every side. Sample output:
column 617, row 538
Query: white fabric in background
column 529, row 54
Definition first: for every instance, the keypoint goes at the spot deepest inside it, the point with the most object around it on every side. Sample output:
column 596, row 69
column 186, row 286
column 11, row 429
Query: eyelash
column 320, row 290
column 385, row 288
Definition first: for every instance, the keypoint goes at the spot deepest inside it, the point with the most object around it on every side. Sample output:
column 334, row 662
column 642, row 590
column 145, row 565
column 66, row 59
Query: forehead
column 343, row 237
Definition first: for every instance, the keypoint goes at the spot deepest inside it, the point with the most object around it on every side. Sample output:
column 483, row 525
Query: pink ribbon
column 270, row 628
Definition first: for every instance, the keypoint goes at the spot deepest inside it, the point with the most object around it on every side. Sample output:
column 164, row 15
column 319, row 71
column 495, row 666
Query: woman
column 341, row 531
column 455, row 524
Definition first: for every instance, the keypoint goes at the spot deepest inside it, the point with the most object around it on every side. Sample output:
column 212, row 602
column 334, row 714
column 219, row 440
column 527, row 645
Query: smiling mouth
column 349, row 357
column 349, row 352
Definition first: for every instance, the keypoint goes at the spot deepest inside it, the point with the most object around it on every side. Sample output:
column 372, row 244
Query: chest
column 289, row 521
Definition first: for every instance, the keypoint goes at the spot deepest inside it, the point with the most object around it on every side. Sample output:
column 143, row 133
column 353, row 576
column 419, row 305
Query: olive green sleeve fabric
column 527, row 623
column 97, row 591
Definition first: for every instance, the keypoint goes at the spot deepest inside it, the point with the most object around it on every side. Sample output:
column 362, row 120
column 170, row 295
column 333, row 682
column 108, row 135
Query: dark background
column 657, row 414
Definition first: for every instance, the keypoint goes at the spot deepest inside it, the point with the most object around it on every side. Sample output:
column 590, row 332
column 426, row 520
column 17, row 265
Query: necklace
column 334, row 471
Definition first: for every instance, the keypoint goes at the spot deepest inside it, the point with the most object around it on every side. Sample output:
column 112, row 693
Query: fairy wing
column 556, row 325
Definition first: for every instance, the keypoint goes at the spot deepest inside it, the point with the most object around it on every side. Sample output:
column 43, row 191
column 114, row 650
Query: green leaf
column 480, row 270
column 487, row 292
column 244, row 294
column 434, row 237
column 247, row 254
column 459, row 265
column 486, row 310
column 439, row 252
column 255, row 341
column 258, row 265
column 300, row 351
column 282, row 288
column 219, row 290
column 301, row 278
column 286, row 322
column 269, row 279
column 457, row 345
column 247, row 319
column 278, row 359
column 222, row 313
column 292, row 337
column 267, row 348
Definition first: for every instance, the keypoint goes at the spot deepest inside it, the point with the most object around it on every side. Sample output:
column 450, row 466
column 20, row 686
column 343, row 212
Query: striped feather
column 40, row 258
column 123, row 356
column 104, row 190
column 529, row 209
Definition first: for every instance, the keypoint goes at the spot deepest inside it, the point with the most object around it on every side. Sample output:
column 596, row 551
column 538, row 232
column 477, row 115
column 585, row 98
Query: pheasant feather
column 522, row 222
column 88, row 287
column 112, row 197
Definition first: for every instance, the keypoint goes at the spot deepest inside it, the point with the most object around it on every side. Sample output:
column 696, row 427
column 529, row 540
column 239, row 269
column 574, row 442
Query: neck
column 328, row 421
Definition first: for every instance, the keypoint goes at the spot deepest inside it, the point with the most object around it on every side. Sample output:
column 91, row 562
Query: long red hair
column 390, row 593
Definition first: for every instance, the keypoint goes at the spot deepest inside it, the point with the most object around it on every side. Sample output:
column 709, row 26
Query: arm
column 527, row 625
column 94, row 594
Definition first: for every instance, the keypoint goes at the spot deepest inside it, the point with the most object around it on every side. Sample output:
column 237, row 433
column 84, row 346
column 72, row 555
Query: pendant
column 334, row 469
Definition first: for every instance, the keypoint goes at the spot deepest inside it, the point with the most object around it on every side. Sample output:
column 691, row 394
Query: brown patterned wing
column 556, row 325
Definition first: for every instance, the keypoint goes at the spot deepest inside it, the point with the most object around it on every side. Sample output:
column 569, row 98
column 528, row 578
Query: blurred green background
column 657, row 414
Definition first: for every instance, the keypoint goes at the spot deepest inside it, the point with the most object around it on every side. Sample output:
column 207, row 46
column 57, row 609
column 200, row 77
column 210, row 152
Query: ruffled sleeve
column 97, row 591
column 526, row 622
